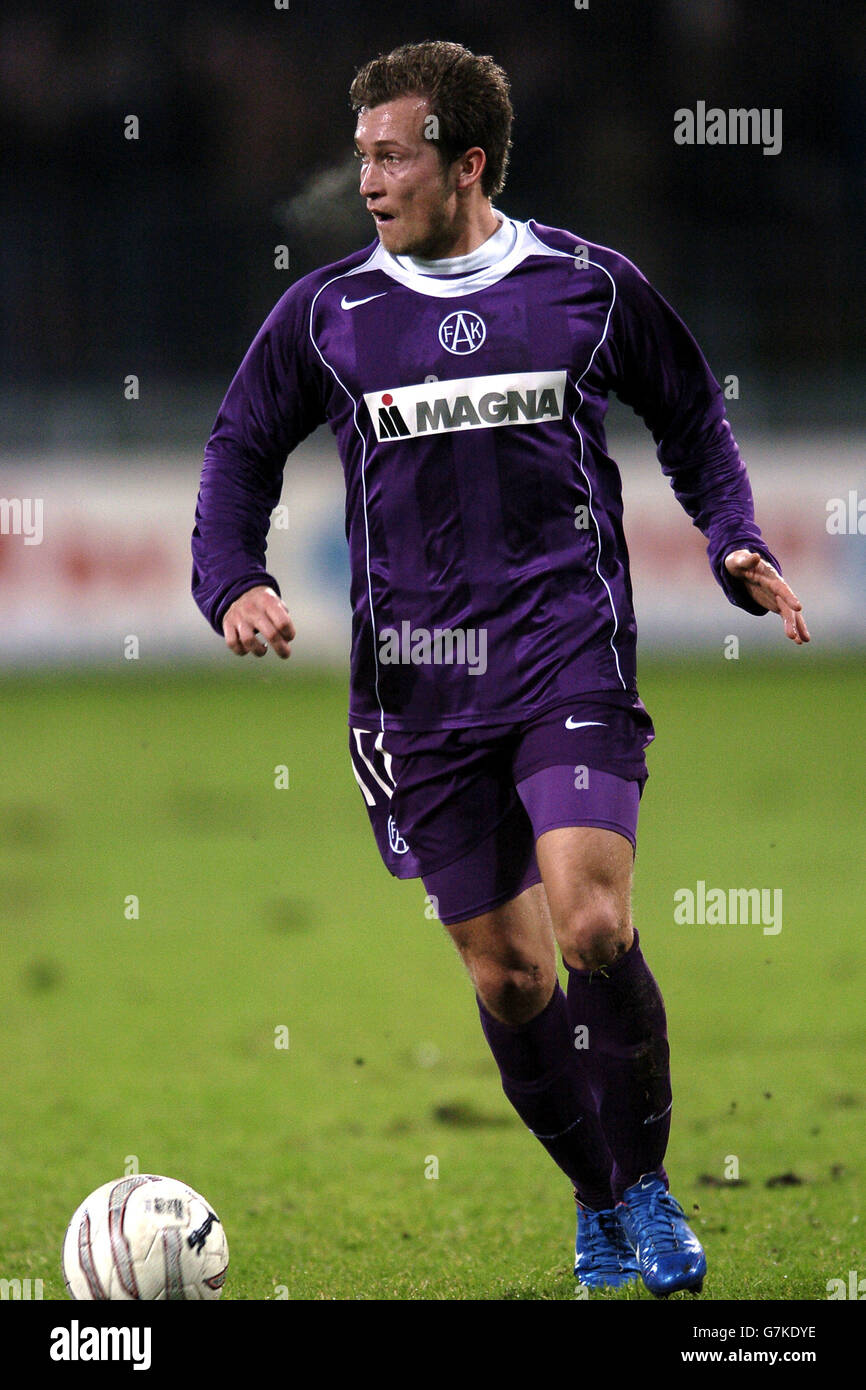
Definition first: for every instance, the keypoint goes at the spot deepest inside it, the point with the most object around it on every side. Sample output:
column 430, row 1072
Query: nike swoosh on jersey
column 353, row 303
column 584, row 723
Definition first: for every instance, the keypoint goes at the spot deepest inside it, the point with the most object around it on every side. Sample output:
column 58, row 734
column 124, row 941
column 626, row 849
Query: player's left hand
column 767, row 587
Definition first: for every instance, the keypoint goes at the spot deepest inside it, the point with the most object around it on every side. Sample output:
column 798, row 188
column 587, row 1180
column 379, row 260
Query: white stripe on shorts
column 384, row 785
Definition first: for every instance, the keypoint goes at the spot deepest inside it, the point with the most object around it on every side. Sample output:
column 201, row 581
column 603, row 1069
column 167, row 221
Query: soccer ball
column 144, row 1237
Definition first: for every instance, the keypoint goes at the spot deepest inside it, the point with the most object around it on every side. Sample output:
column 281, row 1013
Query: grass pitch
column 210, row 975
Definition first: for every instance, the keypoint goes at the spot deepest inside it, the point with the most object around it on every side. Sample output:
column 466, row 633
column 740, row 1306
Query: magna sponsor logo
column 467, row 403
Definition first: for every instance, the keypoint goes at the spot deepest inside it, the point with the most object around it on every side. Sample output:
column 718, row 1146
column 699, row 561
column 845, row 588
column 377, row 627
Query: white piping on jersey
column 553, row 251
column 356, row 271
column 598, row 553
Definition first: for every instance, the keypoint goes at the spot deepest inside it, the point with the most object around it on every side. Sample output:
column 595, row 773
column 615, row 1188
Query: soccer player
column 463, row 361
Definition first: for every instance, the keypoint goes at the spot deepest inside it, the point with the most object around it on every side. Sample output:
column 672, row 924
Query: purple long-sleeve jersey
column 489, row 568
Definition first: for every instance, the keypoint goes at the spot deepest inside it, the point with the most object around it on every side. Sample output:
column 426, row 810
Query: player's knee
column 594, row 932
column 513, row 992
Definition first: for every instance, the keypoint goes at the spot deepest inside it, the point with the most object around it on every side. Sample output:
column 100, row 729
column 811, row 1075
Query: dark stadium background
column 161, row 250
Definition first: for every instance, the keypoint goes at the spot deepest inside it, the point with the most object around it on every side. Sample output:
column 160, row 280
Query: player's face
column 409, row 192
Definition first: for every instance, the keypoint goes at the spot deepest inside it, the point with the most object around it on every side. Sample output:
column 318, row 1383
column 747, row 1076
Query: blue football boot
column 669, row 1254
column 603, row 1257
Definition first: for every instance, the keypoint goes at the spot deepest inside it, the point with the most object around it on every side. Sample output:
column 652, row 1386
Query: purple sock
column 543, row 1079
column 628, row 1061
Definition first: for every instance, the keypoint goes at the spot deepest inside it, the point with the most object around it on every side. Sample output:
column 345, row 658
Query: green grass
column 153, row 1040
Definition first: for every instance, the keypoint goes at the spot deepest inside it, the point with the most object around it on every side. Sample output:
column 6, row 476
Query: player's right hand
column 257, row 620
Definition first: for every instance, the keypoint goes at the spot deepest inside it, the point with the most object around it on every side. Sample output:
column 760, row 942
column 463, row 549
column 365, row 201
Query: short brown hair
column 468, row 93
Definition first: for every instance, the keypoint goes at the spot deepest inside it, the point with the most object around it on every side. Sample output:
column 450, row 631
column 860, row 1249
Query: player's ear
column 470, row 167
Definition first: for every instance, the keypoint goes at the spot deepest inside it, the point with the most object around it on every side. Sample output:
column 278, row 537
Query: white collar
column 494, row 249
column 451, row 285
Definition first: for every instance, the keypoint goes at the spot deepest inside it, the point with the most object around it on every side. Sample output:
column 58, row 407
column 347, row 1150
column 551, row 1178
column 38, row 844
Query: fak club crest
column 462, row 332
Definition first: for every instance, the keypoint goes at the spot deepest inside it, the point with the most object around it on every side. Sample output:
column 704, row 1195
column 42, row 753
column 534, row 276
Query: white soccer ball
column 145, row 1237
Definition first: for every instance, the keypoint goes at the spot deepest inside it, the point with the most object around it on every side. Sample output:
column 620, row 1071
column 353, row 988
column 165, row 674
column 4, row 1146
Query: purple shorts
column 463, row 808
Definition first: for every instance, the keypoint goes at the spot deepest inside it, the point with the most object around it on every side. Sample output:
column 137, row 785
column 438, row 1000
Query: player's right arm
column 273, row 403
column 257, row 620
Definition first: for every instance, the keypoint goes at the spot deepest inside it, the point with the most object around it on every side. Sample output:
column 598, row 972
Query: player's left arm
column 657, row 367
column 767, row 587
